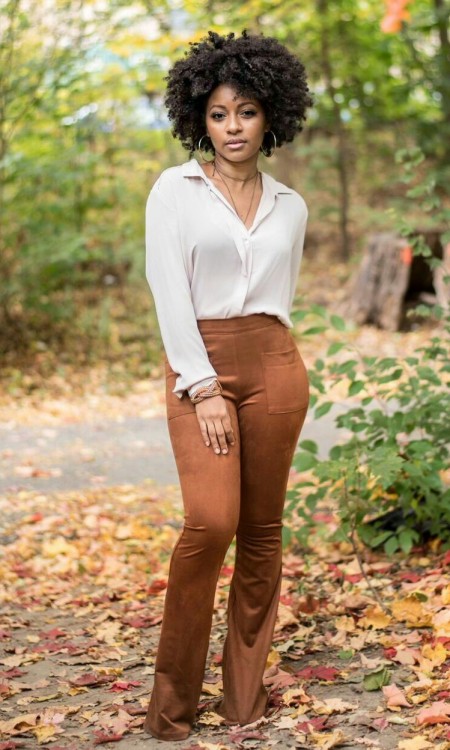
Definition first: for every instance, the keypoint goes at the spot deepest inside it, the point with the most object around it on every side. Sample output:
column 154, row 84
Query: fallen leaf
column 120, row 685
column 211, row 719
column 395, row 697
column 411, row 611
column 374, row 618
column 333, row 705
column 376, row 680
column 316, row 723
column 103, row 737
column 419, row 742
column 319, row 673
column 91, row 679
column 329, row 740
column 437, row 713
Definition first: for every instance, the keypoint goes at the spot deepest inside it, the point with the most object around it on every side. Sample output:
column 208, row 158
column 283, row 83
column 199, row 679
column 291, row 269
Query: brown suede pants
column 240, row 493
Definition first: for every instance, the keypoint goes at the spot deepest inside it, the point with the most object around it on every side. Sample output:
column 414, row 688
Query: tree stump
column 390, row 276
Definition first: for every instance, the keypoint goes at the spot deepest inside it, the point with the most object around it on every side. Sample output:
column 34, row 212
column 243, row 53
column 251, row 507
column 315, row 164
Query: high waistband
column 236, row 324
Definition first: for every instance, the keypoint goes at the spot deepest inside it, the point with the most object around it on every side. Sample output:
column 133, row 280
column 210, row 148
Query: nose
column 233, row 124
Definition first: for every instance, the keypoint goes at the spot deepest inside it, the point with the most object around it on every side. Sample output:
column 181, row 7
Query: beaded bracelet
column 206, row 391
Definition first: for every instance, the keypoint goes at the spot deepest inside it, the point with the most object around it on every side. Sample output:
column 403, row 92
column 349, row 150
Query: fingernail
column 224, row 450
column 207, row 443
column 217, row 450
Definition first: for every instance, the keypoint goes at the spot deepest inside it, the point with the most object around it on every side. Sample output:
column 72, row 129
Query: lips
column 238, row 140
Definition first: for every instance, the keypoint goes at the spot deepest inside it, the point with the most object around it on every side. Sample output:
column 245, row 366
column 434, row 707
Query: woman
column 224, row 243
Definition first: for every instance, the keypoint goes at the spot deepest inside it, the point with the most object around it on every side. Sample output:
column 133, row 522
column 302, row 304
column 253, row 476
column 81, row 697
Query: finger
column 212, row 436
column 228, row 430
column 204, row 431
column 220, row 432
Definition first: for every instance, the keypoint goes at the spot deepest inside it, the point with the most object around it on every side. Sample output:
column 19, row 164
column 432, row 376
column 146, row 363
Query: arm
column 169, row 284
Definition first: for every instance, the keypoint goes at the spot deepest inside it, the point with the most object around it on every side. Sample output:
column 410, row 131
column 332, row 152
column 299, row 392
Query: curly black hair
column 256, row 66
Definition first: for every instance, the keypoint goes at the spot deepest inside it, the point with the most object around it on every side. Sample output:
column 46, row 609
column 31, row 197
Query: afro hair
column 255, row 65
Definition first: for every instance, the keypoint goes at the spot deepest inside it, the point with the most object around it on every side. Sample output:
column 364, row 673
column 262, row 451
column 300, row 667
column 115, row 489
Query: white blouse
column 202, row 261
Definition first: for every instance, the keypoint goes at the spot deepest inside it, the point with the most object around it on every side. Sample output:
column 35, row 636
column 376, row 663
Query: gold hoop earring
column 199, row 147
column 269, row 151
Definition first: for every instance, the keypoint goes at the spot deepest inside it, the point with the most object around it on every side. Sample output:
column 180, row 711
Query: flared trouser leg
column 243, row 492
column 256, row 582
column 210, row 487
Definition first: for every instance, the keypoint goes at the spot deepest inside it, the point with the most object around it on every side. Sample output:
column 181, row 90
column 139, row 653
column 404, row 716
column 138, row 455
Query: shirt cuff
column 200, row 384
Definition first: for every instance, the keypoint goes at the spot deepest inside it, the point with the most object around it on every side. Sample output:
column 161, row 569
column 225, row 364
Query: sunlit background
column 84, row 134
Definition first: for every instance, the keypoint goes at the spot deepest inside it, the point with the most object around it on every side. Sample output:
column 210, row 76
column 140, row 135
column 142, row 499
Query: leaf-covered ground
column 83, row 578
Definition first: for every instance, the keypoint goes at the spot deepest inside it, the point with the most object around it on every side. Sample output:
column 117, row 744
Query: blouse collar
column 192, row 168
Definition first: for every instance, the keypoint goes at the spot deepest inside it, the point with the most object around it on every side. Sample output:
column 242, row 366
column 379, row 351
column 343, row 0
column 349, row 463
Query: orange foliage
column 396, row 12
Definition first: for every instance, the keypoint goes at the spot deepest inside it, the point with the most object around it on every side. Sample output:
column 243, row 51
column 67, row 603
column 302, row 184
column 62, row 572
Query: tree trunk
column 342, row 149
column 390, row 276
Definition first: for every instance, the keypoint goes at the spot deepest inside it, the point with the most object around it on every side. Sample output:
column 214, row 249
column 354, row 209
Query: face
column 235, row 124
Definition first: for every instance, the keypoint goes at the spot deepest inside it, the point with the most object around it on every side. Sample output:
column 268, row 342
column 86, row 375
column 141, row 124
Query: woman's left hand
column 215, row 423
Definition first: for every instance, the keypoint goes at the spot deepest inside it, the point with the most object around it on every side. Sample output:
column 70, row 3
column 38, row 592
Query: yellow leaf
column 330, row 739
column 345, row 623
column 333, row 705
column 210, row 718
column 375, row 618
column 295, row 695
column 419, row 742
column 410, row 610
column 436, row 655
column 273, row 658
column 44, row 731
column 446, row 595
column 58, row 546
column 212, row 688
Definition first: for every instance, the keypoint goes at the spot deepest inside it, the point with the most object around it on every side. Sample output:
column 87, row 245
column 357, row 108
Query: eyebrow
column 222, row 106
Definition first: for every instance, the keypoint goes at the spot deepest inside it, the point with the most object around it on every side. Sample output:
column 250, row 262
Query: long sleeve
column 297, row 253
column 169, row 283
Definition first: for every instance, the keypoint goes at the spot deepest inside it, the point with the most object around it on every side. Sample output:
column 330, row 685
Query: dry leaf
column 419, row 742
column 374, row 618
column 411, row 611
column 395, row 697
column 437, row 713
column 328, row 740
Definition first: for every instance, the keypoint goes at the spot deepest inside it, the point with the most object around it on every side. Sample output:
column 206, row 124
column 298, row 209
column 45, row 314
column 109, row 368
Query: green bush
column 390, row 470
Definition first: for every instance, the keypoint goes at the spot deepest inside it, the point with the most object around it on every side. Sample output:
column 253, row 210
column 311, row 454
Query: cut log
column 391, row 276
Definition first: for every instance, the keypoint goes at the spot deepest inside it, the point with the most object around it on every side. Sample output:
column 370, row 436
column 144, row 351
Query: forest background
column 84, row 134
column 362, row 642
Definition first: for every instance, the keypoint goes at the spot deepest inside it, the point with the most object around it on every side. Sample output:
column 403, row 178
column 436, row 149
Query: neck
column 244, row 170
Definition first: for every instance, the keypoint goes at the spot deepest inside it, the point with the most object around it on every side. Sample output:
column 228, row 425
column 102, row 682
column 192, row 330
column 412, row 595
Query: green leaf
column 304, row 461
column 337, row 322
column 375, row 680
column 356, row 387
column 391, row 545
column 406, row 539
column 323, row 409
column 309, row 445
column 335, row 347
column 313, row 330
column 346, row 653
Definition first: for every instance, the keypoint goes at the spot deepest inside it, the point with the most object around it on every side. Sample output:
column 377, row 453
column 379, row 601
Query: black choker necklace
column 238, row 179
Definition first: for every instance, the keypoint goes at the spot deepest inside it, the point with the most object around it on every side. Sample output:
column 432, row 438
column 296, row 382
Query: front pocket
column 176, row 407
column 286, row 381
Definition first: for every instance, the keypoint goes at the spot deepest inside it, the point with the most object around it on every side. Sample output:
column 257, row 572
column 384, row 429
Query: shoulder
column 172, row 182
column 288, row 195
column 167, row 186
column 169, row 178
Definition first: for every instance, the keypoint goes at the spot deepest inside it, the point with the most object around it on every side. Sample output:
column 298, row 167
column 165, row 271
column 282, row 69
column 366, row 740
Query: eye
column 249, row 112
column 217, row 115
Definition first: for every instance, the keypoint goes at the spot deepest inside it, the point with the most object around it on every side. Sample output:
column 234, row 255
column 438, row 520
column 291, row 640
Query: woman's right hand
column 215, row 423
